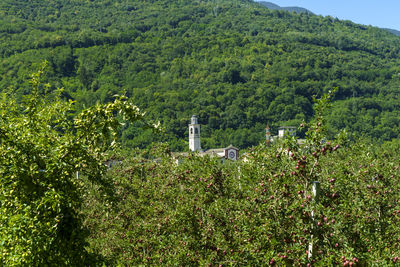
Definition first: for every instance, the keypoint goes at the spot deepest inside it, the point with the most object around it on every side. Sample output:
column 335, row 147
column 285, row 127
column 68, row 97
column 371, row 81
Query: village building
column 230, row 152
column 282, row 132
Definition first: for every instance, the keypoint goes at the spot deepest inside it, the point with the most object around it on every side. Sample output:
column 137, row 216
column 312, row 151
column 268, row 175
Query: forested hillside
column 236, row 64
column 294, row 8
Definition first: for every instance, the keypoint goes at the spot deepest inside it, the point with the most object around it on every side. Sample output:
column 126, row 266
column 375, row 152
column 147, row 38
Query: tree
column 43, row 144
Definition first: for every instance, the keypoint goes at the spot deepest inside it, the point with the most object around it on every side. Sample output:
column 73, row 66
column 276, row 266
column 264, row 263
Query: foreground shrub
column 257, row 211
column 43, row 144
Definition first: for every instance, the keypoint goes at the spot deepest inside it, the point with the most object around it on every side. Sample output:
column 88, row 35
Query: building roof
column 220, row 152
column 287, row 127
column 232, row 147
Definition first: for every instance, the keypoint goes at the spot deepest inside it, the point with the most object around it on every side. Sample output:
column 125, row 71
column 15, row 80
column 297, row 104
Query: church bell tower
column 194, row 134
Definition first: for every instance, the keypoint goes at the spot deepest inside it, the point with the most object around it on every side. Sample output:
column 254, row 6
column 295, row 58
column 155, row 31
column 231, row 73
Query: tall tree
column 43, row 144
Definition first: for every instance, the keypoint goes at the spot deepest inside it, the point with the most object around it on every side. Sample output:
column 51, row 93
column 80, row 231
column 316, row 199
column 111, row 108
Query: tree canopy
column 236, row 64
column 44, row 143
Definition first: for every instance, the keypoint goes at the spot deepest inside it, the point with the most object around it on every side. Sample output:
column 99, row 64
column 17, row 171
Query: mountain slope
column 395, row 32
column 236, row 64
column 270, row 5
column 304, row 10
column 290, row 9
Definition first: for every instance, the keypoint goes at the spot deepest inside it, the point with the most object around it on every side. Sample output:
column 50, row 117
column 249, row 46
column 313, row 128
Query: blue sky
column 380, row 13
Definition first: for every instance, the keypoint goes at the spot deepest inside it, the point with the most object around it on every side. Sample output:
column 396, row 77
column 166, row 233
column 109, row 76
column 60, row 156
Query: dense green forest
column 236, row 64
column 323, row 203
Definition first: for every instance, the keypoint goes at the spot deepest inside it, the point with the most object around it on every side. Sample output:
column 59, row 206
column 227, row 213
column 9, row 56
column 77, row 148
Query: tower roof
column 194, row 120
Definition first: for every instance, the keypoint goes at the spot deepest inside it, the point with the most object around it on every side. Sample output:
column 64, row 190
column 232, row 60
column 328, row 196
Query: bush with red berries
column 260, row 210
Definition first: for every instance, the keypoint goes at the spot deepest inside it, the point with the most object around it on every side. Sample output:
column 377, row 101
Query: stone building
column 282, row 132
column 194, row 134
column 230, row 152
